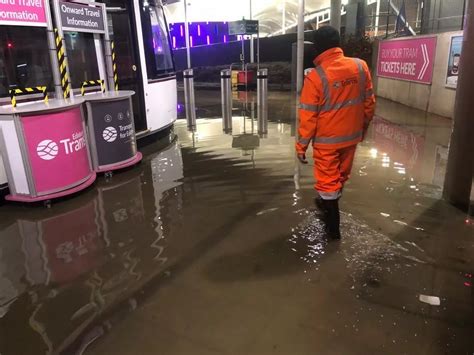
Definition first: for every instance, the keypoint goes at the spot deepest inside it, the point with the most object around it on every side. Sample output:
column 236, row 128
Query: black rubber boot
column 333, row 219
column 319, row 202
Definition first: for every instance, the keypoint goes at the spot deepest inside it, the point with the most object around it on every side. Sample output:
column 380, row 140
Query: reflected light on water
column 373, row 153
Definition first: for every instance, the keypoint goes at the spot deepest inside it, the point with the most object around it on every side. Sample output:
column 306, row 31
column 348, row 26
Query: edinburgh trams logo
column 49, row 149
column 109, row 134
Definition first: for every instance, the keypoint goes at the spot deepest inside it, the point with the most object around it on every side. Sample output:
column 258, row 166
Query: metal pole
column 262, row 101
column 460, row 168
column 300, row 49
column 226, row 97
column 186, row 31
column 189, row 100
column 299, row 81
column 252, row 44
column 258, row 47
column 335, row 19
column 58, row 91
column 57, row 20
column 243, row 53
column 388, row 18
column 108, row 52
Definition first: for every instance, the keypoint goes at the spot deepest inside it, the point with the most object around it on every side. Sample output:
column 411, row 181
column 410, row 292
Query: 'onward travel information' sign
column 81, row 18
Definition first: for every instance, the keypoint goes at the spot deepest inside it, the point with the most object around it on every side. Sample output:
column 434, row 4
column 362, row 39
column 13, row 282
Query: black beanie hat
column 325, row 38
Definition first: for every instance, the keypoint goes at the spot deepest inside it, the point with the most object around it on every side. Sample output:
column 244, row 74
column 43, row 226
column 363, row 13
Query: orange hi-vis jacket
column 337, row 102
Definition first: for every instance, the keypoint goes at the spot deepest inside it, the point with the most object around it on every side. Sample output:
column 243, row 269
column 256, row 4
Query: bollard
column 226, row 96
column 189, row 98
column 262, row 101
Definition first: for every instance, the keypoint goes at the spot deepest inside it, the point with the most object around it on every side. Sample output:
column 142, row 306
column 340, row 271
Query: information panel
column 81, row 18
column 23, row 13
column 453, row 62
column 114, row 131
column 410, row 59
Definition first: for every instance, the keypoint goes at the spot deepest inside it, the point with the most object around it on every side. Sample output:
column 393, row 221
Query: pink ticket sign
column 23, row 13
column 57, row 150
column 409, row 59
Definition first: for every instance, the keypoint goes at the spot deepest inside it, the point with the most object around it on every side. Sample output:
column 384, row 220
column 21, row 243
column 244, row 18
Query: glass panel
column 82, row 57
column 128, row 67
column 120, row 32
column 24, row 59
column 159, row 57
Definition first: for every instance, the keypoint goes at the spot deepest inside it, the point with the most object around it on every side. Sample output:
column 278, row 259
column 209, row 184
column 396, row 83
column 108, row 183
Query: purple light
column 208, row 40
column 174, row 42
column 191, row 40
column 199, row 30
column 181, row 30
column 225, row 39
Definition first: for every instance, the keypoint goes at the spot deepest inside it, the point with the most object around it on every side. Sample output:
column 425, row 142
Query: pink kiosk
column 45, row 150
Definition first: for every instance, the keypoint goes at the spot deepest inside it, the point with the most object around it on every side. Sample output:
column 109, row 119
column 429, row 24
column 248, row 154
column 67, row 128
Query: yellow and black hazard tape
column 65, row 84
column 114, row 66
column 28, row 91
column 92, row 83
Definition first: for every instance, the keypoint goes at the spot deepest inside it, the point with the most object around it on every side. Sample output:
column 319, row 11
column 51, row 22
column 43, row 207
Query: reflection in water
column 59, row 273
column 227, row 228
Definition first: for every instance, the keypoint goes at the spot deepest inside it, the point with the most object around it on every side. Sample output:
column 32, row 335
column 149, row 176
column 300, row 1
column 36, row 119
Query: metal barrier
column 262, row 101
column 89, row 83
column 26, row 91
column 226, row 95
column 189, row 98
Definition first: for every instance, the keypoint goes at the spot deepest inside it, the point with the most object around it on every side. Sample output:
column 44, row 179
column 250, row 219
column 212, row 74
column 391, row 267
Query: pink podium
column 45, row 150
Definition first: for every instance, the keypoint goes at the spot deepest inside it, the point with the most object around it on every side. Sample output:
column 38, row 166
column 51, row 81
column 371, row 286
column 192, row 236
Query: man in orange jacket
column 336, row 107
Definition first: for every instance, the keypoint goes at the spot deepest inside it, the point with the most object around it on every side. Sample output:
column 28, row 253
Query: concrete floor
column 212, row 246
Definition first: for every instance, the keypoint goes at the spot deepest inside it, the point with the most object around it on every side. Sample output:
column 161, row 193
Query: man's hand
column 302, row 158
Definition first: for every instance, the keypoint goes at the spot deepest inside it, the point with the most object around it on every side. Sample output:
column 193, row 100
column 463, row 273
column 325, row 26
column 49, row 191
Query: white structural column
column 377, row 18
column 335, row 20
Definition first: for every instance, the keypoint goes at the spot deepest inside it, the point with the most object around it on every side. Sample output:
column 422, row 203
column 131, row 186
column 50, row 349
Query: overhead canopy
column 268, row 12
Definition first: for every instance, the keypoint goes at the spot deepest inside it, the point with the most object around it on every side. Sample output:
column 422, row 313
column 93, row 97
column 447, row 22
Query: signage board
column 114, row 131
column 244, row 27
column 81, row 18
column 23, row 13
column 57, row 149
column 453, row 62
column 410, row 59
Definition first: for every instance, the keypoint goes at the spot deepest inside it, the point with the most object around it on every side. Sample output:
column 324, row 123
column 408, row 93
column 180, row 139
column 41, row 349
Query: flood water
column 212, row 245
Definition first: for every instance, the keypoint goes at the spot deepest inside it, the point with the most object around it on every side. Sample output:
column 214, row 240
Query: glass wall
column 82, row 57
column 443, row 15
column 159, row 58
column 24, row 59
column 422, row 16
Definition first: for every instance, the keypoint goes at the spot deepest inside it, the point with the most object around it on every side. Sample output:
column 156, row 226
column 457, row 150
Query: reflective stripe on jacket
column 337, row 102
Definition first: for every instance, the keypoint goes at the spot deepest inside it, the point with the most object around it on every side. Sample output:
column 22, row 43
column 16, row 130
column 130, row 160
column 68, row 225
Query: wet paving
column 212, row 246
